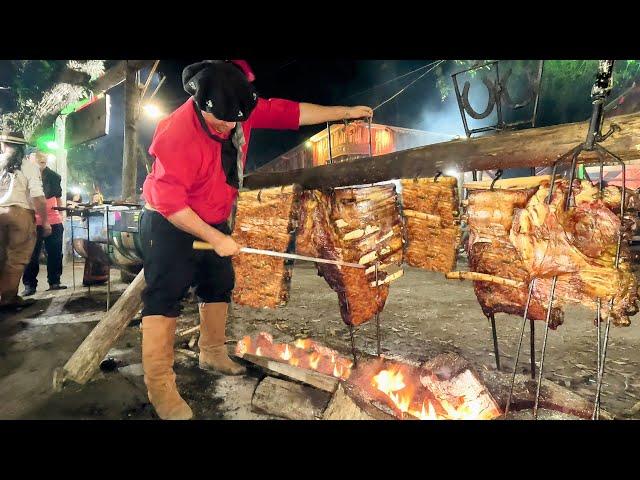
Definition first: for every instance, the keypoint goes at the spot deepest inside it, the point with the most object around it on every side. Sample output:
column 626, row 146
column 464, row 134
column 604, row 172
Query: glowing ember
column 429, row 413
column 401, row 401
column 286, row 355
column 258, row 352
column 387, row 381
column 337, row 372
column 304, row 344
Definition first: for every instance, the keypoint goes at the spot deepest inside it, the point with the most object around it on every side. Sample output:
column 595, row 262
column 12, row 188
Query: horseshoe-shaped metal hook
column 491, row 101
column 435, row 179
column 507, row 97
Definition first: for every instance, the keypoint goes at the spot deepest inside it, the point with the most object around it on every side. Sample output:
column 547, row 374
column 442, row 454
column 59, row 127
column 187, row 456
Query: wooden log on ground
column 344, row 405
column 86, row 359
column 290, row 400
column 534, row 147
column 315, row 379
column 484, row 277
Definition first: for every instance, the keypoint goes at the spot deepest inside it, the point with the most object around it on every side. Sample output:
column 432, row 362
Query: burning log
column 320, row 381
column 345, row 406
column 289, row 400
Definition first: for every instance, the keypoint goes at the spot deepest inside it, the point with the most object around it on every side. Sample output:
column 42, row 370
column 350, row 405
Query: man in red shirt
column 200, row 152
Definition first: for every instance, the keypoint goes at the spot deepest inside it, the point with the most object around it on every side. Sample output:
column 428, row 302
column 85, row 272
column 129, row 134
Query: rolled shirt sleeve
column 276, row 114
column 34, row 180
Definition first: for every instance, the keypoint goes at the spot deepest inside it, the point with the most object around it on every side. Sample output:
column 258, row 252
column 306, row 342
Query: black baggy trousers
column 171, row 266
column 53, row 247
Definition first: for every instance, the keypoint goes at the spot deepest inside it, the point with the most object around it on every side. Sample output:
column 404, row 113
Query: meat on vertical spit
column 432, row 230
column 514, row 234
column 359, row 225
column 265, row 219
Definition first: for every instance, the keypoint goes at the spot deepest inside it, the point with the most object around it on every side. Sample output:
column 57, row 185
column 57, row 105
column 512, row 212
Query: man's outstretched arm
column 311, row 114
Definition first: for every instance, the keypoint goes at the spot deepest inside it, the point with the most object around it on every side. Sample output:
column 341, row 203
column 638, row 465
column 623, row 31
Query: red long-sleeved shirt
column 187, row 171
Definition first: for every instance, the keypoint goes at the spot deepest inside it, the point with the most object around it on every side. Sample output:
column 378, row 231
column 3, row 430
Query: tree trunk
column 525, row 148
column 129, row 163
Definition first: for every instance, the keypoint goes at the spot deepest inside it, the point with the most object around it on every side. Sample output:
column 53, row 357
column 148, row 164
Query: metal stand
column 108, row 258
column 532, row 335
column 496, row 349
column 600, row 91
column 378, row 350
column 73, row 254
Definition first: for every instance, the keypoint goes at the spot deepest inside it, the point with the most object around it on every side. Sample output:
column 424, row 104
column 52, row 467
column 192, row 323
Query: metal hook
column 495, row 179
column 435, row 179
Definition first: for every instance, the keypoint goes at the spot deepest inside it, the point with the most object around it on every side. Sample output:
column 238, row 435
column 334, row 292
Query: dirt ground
column 425, row 315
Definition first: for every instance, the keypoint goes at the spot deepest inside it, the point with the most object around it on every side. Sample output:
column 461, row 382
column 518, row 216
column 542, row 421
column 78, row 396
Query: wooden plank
column 315, row 379
column 86, row 359
column 281, row 398
column 524, row 148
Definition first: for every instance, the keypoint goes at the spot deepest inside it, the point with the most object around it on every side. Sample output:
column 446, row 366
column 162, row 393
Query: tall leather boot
column 213, row 351
column 157, row 362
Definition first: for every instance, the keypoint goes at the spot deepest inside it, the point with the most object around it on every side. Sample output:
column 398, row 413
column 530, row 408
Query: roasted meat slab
column 359, row 225
column 514, row 234
column 432, row 230
column 265, row 219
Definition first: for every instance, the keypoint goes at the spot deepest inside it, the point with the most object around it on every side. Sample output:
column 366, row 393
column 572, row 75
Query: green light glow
column 51, row 145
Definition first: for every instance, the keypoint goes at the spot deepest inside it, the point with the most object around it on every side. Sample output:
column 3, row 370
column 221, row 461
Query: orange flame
column 388, row 381
column 258, row 352
column 286, row 355
column 314, row 360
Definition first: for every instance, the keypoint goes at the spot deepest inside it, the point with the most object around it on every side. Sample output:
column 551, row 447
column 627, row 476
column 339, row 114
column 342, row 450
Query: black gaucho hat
column 221, row 88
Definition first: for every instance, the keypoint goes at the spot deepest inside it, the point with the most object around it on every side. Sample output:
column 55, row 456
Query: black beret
column 220, row 88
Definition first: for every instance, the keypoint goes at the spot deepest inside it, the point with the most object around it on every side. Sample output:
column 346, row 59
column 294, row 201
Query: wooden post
column 61, row 169
column 129, row 163
column 86, row 359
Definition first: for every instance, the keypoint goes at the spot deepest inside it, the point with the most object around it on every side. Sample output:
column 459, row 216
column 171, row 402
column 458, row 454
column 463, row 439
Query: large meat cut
column 358, row 225
column 265, row 219
column 432, row 229
column 515, row 234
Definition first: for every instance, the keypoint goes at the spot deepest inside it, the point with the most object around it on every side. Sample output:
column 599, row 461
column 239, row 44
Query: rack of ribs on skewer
column 360, row 225
column 432, row 230
column 515, row 235
column 265, row 219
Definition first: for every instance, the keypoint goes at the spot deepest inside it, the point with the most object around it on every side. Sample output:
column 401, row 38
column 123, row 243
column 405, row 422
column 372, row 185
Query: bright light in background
column 152, row 110
column 75, row 190
column 52, row 145
column 451, row 172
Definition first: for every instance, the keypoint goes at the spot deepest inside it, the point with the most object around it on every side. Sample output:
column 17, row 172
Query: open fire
column 411, row 392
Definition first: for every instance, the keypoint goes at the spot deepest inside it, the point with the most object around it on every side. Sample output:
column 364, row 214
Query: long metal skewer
column 197, row 245
column 532, row 347
column 515, row 364
column 544, row 347
column 496, row 349
column 378, row 350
